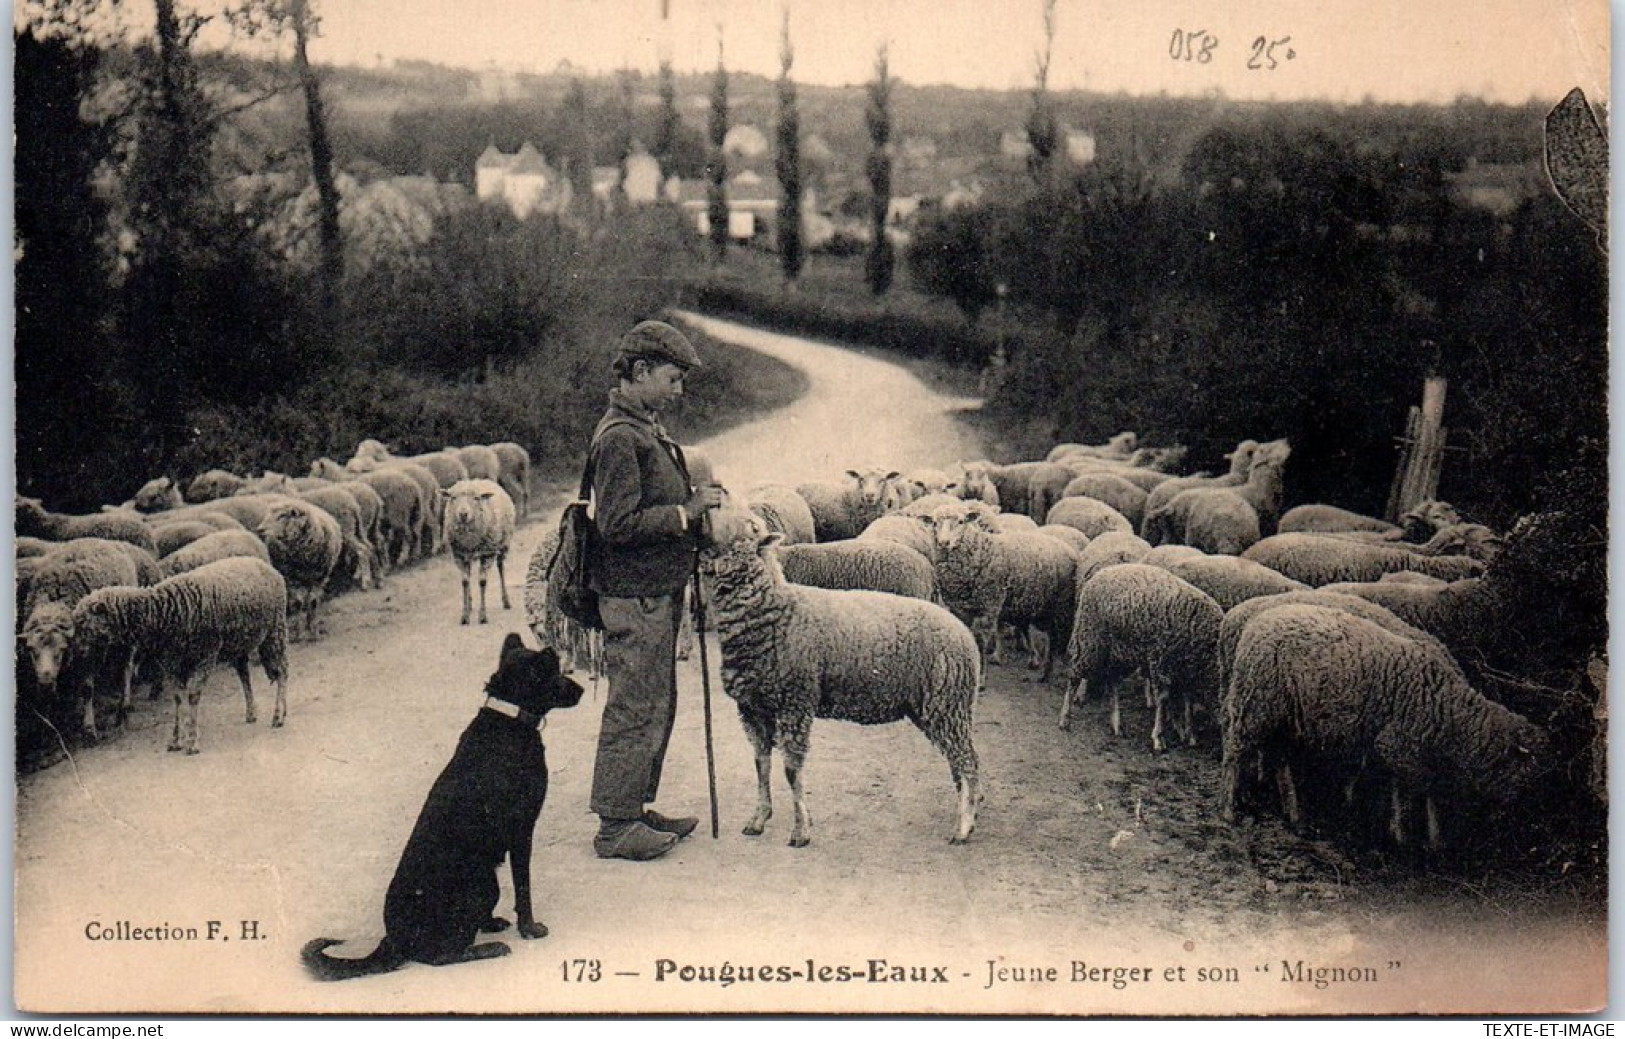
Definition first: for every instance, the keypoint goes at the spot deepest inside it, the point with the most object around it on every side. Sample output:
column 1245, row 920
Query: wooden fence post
column 1422, row 460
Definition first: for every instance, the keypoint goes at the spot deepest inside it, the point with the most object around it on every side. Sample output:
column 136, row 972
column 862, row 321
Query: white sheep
column 1014, row 484
column 1092, row 517
column 479, row 520
column 445, row 466
column 783, row 510
column 1241, row 460
column 842, row 510
column 60, row 580
column 515, row 479
column 1238, row 617
column 406, row 507
column 1119, row 447
column 304, row 544
column 1224, row 520
column 1230, row 580
column 1321, row 684
column 359, row 560
column 1020, row 578
column 182, row 627
column 1318, row 518
column 1132, row 617
column 791, row 653
column 975, row 482
column 221, row 544
column 871, row 563
column 903, row 528
column 1109, row 549
column 157, row 495
column 215, row 483
column 33, row 520
column 1117, row 491
column 1074, row 538
column 1318, row 560
column 1015, row 523
column 575, row 645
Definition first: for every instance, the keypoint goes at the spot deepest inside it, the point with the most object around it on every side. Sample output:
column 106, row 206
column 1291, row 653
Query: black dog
column 483, row 807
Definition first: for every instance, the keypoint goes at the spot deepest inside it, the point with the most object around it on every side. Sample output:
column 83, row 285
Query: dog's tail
column 381, row 960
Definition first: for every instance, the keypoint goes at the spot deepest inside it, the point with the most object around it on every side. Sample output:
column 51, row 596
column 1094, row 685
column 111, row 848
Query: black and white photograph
column 888, row 508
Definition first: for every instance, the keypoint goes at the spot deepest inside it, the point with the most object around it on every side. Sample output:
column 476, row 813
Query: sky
column 1342, row 50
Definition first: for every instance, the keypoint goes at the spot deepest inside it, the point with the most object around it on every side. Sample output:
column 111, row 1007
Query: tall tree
column 329, row 236
column 717, row 164
column 882, row 259
column 61, row 349
column 667, row 123
column 788, row 163
column 1042, row 134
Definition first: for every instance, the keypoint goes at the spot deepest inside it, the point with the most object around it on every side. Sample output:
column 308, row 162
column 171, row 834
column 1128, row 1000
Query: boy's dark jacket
column 640, row 481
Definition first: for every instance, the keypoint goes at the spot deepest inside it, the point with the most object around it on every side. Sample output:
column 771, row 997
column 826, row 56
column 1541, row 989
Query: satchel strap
column 592, row 455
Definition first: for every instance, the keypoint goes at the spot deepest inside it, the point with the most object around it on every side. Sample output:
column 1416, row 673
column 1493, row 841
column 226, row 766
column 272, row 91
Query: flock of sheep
column 170, row 584
column 1312, row 647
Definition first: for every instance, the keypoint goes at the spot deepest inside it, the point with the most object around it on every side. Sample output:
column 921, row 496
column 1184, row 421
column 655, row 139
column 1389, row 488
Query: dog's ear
column 511, row 645
column 550, row 659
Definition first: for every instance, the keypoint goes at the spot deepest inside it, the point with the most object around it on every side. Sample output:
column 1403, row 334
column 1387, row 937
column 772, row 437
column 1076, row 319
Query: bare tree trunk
column 321, row 158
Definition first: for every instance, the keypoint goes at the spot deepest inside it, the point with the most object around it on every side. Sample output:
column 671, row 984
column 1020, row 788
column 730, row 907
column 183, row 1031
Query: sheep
column 444, row 466
column 158, row 495
column 1014, row 482
column 214, row 519
column 1317, row 560
column 247, row 509
column 304, row 543
column 1166, row 555
column 60, row 580
column 1046, row 484
column 842, row 510
column 32, row 520
column 1322, row 683
column 357, row 558
column 1424, row 519
column 784, row 511
column 575, row 645
column 922, row 507
column 1223, row 520
column 1072, row 536
column 791, row 653
column 183, row 626
column 481, row 462
column 917, row 483
column 1120, row 446
column 515, row 479
column 1231, row 580
column 1318, row 518
column 222, row 544
column 405, row 507
column 1014, row 523
column 903, row 529
column 1092, row 517
column 975, row 483
column 1133, row 616
column 1241, row 460
column 1017, row 578
column 872, row 563
column 1116, row 491
column 1109, row 549
column 172, row 537
column 1238, row 617
column 479, row 522
column 215, row 483
column 1457, row 612
column 26, row 547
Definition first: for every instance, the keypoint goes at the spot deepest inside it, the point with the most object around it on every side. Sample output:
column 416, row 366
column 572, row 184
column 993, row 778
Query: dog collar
column 510, row 710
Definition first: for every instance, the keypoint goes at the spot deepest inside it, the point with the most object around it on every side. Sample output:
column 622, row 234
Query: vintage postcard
column 288, row 273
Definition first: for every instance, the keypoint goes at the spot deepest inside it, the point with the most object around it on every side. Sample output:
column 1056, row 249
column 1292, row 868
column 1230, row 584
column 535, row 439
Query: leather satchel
column 568, row 586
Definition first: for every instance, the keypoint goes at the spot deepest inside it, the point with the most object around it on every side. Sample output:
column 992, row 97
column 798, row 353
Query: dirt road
column 1100, row 879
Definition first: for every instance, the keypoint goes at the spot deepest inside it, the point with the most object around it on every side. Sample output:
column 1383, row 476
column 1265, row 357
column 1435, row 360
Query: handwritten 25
column 1198, row 45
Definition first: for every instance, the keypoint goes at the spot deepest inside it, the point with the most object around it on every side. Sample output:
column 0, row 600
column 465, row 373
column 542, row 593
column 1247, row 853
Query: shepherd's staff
column 705, row 690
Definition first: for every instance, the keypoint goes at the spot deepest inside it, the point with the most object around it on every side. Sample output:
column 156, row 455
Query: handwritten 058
column 1199, row 46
